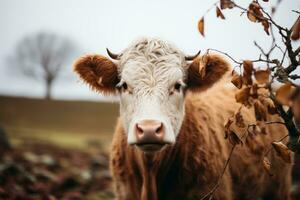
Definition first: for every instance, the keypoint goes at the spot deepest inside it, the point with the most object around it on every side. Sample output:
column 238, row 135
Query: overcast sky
column 96, row 24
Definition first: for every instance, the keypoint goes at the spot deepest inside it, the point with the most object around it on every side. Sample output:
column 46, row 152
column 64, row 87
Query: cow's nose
column 150, row 134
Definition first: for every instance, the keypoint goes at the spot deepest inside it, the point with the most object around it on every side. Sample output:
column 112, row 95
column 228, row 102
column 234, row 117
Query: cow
column 169, row 139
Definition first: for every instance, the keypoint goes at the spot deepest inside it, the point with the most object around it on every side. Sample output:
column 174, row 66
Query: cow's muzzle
column 150, row 135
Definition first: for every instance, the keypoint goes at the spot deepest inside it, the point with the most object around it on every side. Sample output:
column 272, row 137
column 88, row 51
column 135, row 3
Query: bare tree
column 42, row 56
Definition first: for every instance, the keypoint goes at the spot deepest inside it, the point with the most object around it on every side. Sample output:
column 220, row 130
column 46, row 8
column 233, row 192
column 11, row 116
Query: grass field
column 65, row 123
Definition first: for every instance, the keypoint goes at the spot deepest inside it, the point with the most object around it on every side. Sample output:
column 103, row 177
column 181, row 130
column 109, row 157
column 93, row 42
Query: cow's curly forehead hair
column 153, row 50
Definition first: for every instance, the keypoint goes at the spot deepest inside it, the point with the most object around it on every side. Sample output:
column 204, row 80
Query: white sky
column 97, row 24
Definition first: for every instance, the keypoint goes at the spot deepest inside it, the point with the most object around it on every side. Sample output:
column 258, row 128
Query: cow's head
column 151, row 77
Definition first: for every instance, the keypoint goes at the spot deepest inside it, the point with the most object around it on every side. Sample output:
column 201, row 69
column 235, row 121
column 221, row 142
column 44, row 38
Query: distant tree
column 42, row 56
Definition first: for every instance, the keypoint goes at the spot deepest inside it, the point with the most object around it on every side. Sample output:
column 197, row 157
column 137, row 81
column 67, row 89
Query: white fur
column 151, row 68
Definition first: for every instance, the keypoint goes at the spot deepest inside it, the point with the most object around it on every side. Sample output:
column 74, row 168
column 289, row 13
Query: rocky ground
column 43, row 171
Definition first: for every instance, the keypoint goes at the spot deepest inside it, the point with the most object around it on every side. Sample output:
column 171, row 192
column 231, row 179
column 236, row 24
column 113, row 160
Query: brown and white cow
column 169, row 141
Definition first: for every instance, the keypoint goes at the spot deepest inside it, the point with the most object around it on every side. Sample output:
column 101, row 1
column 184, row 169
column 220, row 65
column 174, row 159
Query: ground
column 60, row 150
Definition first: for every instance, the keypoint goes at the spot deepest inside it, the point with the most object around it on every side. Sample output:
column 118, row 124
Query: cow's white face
column 151, row 77
column 152, row 84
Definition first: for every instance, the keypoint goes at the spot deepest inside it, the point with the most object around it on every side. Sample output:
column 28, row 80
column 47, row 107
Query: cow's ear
column 205, row 71
column 99, row 72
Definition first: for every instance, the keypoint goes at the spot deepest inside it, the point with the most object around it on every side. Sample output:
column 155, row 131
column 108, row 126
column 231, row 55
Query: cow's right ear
column 99, row 72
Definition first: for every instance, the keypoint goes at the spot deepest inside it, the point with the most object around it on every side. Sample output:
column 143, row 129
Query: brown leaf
column 283, row 94
column 247, row 74
column 266, row 26
column 234, row 138
column 248, row 66
column 254, row 91
column 219, row 13
column 262, row 76
column 296, row 30
column 242, row 96
column 260, row 111
column 227, row 127
column 239, row 120
column 254, row 13
column 237, row 80
column 201, row 26
column 269, row 104
column 251, row 16
column 282, row 151
column 267, row 166
column 226, row 4
column 262, row 126
column 253, row 131
column 202, row 65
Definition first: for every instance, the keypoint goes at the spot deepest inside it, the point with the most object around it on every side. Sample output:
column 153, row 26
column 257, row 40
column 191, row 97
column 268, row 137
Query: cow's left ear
column 99, row 72
column 205, row 71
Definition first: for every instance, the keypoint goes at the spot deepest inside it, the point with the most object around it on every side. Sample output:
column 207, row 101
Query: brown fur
column 205, row 71
column 93, row 67
column 191, row 167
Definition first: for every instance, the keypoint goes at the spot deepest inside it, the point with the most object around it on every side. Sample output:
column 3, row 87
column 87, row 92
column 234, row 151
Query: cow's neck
column 154, row 168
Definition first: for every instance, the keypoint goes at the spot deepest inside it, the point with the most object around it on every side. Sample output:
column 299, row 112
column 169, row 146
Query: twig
column 226, row 54
column 294, row 76
column 260, row 48
column 211, row 193
column 275, row 122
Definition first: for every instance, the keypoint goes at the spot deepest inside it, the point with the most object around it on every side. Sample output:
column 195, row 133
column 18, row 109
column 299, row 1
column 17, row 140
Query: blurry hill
column 63, row 122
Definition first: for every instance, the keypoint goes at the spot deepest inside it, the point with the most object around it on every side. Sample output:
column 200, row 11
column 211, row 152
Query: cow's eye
column 177, row 86
column 124, row 86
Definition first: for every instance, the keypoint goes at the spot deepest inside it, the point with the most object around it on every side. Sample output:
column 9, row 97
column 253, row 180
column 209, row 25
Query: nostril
column 139, row 129
column 159, row 129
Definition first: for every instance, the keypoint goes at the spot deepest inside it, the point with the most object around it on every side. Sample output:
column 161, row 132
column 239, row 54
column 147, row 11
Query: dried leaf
column 253, row 131
column 273, row 10
column 267, row 166
column 239, row 120
column 201, row 26
column 282, row 151
column 227, row 127
column 251, row 16
column 262, row 76
column 262, row 126
column 234, row 138
column 269, row 104
column 260, row 111
column 226, row 4
column 237, row 80
column 248, row 66
column 242, row 96
column 283, row 94
column 254, row 13
column 247, row 74
column 266, row 26
column 202, row 65
column 219, row 13
column 296, row 30
column 254, row 91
